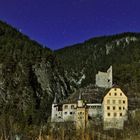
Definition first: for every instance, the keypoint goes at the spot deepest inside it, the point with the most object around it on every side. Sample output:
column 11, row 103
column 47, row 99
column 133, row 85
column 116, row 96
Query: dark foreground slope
column 30, row 76
column 122, row 51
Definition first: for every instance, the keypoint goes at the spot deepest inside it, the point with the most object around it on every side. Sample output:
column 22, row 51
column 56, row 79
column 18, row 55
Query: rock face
column 30, row 77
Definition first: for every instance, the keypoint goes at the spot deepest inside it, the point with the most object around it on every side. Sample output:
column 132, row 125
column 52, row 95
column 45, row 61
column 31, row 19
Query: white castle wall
column 68, row 112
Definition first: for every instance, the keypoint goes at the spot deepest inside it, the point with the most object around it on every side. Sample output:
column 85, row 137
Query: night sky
column 59, row 23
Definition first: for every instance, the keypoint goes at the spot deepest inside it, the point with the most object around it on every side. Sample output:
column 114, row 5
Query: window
column 120, row 108
column 109, row 94
column 115, row 89
column 66, row 106
column 115, row 114
column 114, row 108
column 120, row 102
column 115, row 94
column 108, row 101
column 123, row 101
column 70, row 113
column 120, row 114
column 108, row 114
column 120, row 94
column 123, row 108
column 72, row 106
column 65, row 113
column 80, row 113
column 108, row 107
column 114, row 101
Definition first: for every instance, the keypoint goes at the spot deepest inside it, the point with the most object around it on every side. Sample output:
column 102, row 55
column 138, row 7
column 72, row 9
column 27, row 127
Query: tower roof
column 55, row 100
column 80, row 96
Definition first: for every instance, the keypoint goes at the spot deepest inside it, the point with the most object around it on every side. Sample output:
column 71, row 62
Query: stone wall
column 104, row 79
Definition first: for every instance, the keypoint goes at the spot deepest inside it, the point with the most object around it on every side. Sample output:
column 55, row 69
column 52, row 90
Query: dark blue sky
column 58, row 23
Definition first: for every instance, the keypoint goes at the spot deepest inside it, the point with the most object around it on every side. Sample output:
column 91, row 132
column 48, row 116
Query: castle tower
column 80, row 101
column 81, row 114
column 104, row 79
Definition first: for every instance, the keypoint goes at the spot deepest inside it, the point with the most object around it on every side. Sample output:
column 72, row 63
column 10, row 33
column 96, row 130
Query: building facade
column 115, row 107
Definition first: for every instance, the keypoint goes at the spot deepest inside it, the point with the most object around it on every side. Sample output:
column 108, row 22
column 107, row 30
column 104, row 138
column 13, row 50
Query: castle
column 75, row 112
column 112, row 109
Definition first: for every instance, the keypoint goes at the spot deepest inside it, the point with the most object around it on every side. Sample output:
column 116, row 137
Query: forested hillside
column 30, row 77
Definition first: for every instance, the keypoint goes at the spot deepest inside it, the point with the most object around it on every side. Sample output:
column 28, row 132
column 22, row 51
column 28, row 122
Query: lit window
column 108, row 107
column 113, row 107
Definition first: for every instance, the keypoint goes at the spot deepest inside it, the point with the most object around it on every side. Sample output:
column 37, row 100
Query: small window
column 108, row 107
column 123, row 101
column 108, row 101
column 114, row 101
column 55, row 114
column 66, row 106
column 115, row 89
column 120, row 108
column 72, row 106
column 109, row 94
column 115, row 114
column 120, row 102
column 115, row 94
column 120, row 114
column 120, row 94
column 65, row 113
column 114, row 107
column 108, row 114
column 80, row 113
column 123, row 108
